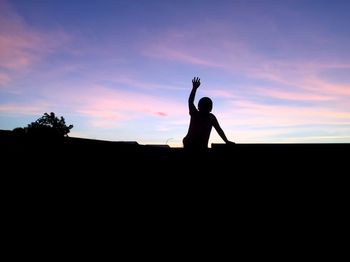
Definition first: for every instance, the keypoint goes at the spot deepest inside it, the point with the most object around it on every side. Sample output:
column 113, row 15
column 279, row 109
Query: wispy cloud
column 22, row 45
column 131, row 80
column 103, row 106
column 254, row 115
column 296, row 95
column 161, row 114
column 326, row 87
column 219, row 45
column 131, row 104
column 4, row 79
column 106, row 105
column 211, row 44
column 23, row 108
column 169, row 53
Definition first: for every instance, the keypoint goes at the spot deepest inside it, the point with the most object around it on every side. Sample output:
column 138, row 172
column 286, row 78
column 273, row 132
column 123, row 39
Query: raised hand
column 196, row 82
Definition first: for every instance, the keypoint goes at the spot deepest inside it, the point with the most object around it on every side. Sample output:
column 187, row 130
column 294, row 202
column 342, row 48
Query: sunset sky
column 278, row 71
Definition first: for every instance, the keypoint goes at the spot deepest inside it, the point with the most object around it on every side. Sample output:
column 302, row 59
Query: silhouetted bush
column 19, row 131
column 49, row 126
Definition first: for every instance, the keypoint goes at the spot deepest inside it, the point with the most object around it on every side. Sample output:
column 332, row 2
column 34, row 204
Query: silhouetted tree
column 49, row 125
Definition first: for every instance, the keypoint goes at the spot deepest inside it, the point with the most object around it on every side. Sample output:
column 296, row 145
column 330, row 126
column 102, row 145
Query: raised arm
column 196, row 82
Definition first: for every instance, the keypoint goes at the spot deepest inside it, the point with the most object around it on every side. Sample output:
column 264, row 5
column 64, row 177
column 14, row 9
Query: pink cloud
column 179, row 55
column 303, row 74
column 333, row 89
column 220, row 92
column 106, row 105
column 103, row 107
column 23, row 109
column 161, row 114
column 128, row 102
column 133, row 81
column 302, row 95
column 206, row 45
column 219, row 45
column 4, row 79
column 253, row 114
column 22, row 46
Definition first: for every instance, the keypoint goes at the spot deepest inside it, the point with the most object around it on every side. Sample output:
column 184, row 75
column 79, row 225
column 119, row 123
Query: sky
column 278, row 71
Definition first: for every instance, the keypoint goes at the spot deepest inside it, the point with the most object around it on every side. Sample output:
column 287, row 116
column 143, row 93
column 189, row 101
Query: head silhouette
column 205, row 105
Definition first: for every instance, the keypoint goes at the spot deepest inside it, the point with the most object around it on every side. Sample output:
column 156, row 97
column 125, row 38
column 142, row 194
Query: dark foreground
column 244, row 170
column 74, row 185
column 79, row 155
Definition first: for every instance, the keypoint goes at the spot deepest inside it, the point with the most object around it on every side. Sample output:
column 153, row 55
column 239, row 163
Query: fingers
column 196, row 79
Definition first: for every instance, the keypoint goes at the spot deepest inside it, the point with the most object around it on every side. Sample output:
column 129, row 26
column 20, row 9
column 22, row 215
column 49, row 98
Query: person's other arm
column 195, row 84
column 220, row 131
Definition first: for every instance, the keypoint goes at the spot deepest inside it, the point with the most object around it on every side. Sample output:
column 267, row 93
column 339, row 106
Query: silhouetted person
column 201, row 122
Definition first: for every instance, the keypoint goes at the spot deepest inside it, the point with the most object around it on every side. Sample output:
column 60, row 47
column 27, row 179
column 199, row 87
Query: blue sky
column 277, row 71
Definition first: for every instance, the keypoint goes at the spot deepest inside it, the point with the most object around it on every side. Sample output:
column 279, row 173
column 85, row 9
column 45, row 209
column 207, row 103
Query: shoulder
column 213, row 118
column 193, row 110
